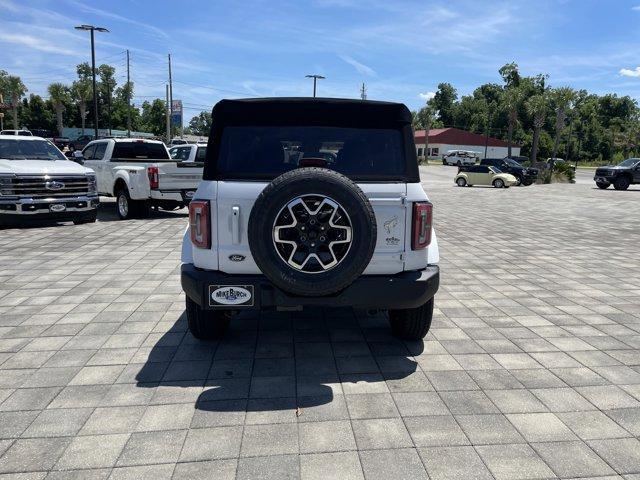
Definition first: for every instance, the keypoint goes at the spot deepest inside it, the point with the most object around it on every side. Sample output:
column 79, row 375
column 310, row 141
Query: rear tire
column 411, row 323
column 603, row 185
column 526, row 183
column 461, row 182
column 621, row 183
column 206, row 324
column 127, row 208
column 498, row 183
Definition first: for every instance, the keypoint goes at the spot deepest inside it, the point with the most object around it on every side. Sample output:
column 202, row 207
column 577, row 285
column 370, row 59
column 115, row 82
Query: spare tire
column 312, row 231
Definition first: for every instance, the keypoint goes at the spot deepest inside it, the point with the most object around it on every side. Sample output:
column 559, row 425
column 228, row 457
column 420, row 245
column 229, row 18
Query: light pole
column 315, row 79
column 92, row 29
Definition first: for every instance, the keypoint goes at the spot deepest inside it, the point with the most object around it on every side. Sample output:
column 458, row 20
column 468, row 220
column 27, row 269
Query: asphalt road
column 531, row 368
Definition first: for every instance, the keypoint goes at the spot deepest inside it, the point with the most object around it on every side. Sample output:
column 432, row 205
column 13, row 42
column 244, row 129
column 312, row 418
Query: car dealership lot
column 531, row 369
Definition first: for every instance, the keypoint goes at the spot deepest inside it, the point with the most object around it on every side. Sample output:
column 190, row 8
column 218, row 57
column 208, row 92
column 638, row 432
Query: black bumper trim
column 403, row 290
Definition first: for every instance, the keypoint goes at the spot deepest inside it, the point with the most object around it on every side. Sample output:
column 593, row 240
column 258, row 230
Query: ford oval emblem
column 54, row 185
column 236, row 257
column 231, row 295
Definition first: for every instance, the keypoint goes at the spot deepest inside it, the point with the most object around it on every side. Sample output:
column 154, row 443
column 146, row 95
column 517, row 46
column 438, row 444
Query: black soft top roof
column 335, row 112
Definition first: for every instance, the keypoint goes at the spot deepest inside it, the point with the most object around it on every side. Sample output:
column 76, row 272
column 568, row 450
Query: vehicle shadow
column 279, row 363
column 107, row 212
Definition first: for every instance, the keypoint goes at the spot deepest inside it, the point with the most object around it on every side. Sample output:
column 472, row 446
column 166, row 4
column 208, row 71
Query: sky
column 401, row 49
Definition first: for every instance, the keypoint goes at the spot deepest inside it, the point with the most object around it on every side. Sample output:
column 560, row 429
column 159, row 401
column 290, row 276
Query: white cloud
column 626, row 72
column 427, row 95
column 35, row 43
column 114, row 16
column 361, row 68
column 636, row 8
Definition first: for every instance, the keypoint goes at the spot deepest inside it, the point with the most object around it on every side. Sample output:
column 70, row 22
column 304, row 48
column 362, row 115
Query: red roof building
column 442, row 140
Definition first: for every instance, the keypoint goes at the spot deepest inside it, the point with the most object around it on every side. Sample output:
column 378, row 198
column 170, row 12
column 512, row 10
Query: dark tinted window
column 140, row 150
column 19, row 149
column 100, row 149
column 87, row 153
column 267, row 152
column 483, row 169
column 201, row 154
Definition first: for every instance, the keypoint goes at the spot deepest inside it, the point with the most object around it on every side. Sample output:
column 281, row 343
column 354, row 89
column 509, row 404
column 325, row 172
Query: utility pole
column 168, row 115
column 109, row 104
column 170, row 99
column 128, row 97
column 363, row 92
column 315, row 80
column 93, row 29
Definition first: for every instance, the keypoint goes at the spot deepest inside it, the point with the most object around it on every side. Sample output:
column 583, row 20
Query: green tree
column 562, row 99
column 59, row 95
column 537, row 107
column 153, row 118
column 201, row 124
column 444, row 102
column 511, row 101
column 36, row 113
column 13, row 89
column 81, row 91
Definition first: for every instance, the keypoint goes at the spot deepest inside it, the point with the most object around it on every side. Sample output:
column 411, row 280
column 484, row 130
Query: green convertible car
column 484, row 175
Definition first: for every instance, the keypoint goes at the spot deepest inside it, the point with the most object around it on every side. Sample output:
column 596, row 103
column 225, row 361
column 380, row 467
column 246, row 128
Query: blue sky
column 400, row 49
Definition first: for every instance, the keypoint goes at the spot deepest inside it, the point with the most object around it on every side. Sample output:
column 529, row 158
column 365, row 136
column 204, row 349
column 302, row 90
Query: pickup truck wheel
column 123, row 204
column 621, row 183
column 312, row 231
column 526, row 183
column 411, row 323
column 86, row 218
column 603, row 185
column 498, row 183
column 206, row 324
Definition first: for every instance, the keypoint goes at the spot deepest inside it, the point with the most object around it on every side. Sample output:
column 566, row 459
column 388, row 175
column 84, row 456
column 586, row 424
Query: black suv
column 621, row 176
column 525, row 176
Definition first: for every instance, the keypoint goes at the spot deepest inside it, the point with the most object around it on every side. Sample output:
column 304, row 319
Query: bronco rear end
column 310, row 202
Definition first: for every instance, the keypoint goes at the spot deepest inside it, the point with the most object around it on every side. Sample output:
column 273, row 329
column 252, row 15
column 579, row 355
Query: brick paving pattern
column 531, row 369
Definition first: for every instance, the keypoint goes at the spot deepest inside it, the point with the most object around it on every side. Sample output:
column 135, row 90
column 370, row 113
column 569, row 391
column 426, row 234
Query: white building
column 441, row 140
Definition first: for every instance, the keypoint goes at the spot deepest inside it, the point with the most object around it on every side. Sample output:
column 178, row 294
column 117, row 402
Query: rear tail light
column 422, row 221
column 154, row 181
column 200, row 223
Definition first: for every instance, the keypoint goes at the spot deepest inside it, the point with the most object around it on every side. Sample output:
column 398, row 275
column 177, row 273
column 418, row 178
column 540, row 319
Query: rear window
column 140, row 150
column 268, row 151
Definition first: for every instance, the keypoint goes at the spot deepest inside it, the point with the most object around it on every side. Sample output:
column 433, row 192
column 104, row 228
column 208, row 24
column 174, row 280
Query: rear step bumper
column 403, row 290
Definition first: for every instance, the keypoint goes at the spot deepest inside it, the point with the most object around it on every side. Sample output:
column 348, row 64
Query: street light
column 315, row 79
column 92, row 29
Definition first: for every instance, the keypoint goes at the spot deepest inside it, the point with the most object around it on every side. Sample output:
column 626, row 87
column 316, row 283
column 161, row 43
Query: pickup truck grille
column 603, row 172
column 49, row 186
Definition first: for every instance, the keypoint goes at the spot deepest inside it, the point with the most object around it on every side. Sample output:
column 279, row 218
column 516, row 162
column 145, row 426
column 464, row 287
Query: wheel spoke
column 312, row 233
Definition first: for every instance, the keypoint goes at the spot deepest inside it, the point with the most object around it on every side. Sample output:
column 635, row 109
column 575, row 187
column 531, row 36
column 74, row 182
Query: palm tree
column 59, row 94
column 562, row 99
column 511, row 100
column 16, row 90
column 537, row 106
column 428, row 113
column 82, row 93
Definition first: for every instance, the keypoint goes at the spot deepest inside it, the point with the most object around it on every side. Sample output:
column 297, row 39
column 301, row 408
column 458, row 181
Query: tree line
column 545, row 121
column 72, row 104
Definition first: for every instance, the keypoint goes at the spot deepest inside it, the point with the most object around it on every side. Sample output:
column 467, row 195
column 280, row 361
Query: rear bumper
column 180, row 196
column 404, row 290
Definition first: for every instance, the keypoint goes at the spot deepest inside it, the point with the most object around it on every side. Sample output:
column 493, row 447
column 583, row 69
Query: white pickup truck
column 193, row 152
column 141, row 175
column 38, row 182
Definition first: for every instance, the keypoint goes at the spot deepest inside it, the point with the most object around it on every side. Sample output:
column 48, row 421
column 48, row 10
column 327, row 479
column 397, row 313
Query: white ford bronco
column 141, row 175
column 277, row 224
